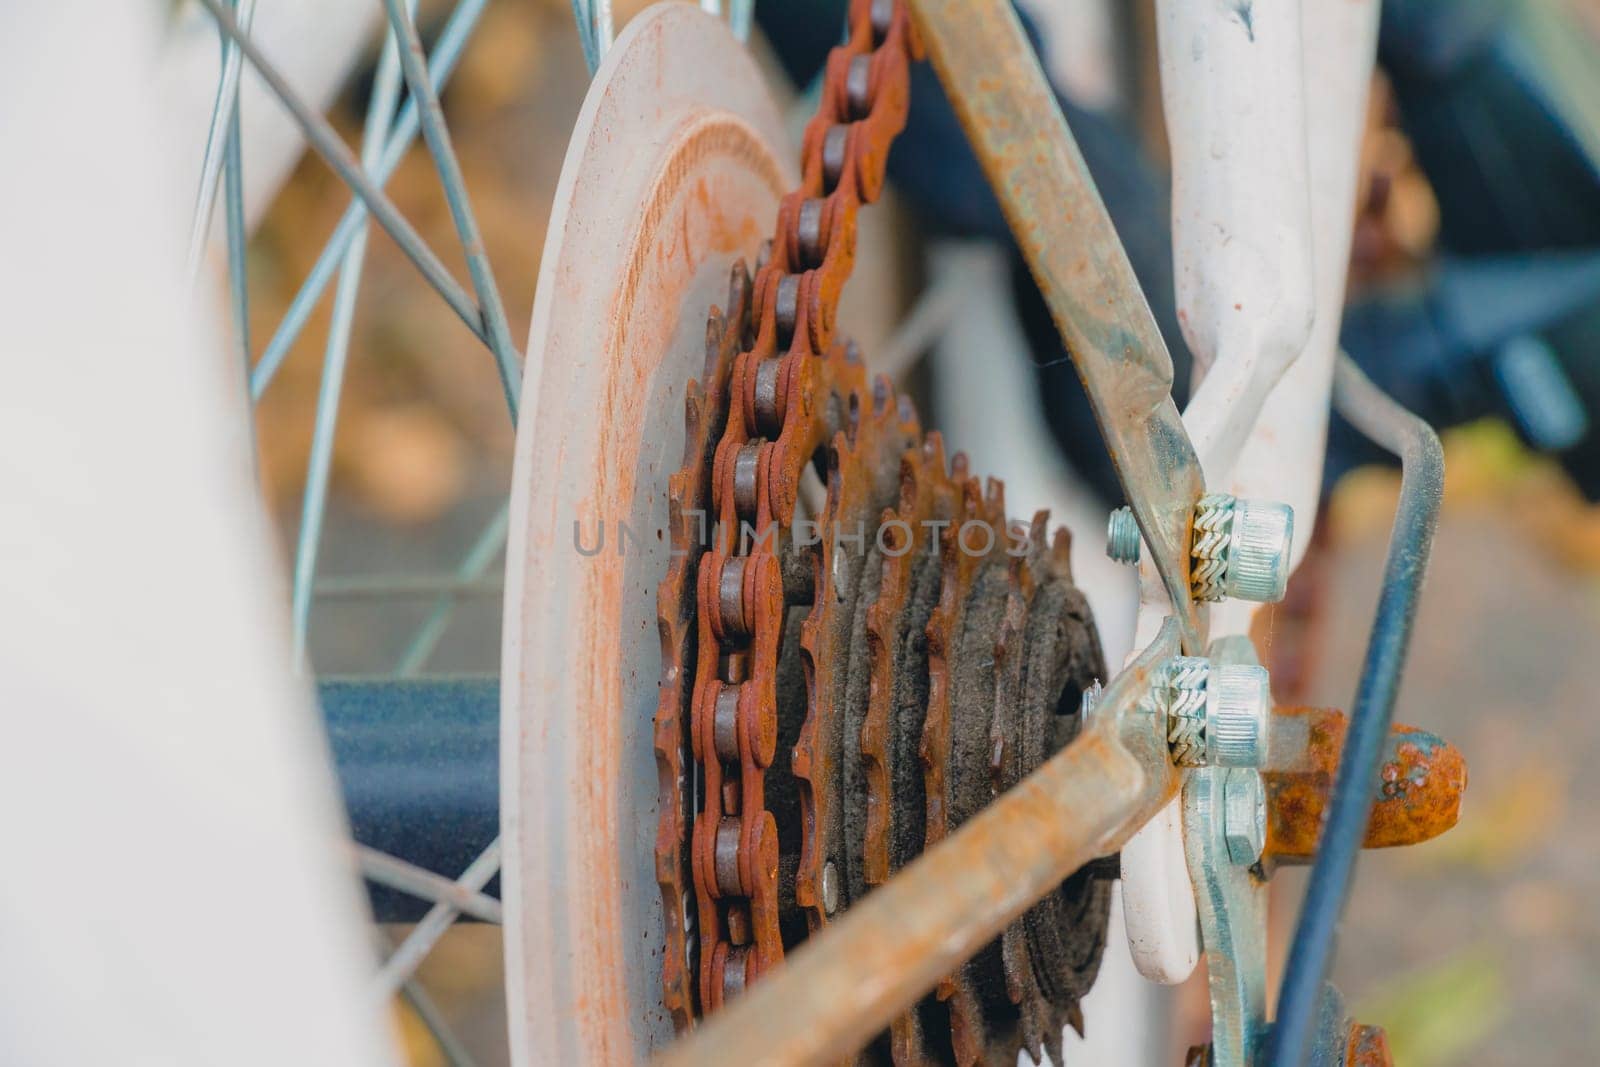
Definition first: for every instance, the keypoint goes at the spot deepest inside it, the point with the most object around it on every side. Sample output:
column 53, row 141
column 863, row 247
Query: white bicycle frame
column 1266, row 106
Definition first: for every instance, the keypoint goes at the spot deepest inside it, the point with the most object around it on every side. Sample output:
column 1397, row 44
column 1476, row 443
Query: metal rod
column 482, row 553
column 436, row 133
column 1421, row 485
column 415, row 948
column 314, row 500
column 446, row 54
column 374, row 586
column 338, row 155
column 1015, row 126
column 396, row 873
column 833, row 994
column 224, row 114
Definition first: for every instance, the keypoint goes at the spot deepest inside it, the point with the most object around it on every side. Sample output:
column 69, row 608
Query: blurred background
column 1475, row 299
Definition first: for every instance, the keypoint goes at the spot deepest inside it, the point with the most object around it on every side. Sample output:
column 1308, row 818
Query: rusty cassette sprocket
column 846, row 686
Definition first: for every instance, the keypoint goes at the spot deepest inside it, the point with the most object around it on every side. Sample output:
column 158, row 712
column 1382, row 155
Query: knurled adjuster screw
column 1215, row 716
column 1239, row 548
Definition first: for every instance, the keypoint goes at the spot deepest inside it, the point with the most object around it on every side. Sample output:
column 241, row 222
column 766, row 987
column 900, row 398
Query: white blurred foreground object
column 178, row 894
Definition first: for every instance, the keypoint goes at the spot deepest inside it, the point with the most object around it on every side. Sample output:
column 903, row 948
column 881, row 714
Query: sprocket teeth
column 1053, row 1048
column 846, row 753
column 866, row 477
column 886, row 628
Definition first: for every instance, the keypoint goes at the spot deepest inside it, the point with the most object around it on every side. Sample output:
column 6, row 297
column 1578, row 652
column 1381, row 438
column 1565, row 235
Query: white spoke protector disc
column 675, row 170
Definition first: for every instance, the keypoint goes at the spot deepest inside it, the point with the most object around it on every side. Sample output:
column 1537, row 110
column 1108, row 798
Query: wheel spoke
column 224, row 114
column 605, row 28
column 408, row 878
column 473, row 565
column 446, row 54
column 596, row 30
column 313, row 505
column 450, row 1046
column 741, row 13
column 585, row 21
column 437, row 136
column 238, row 276
column 328, row 145
column 405, row 960
column 238, row 239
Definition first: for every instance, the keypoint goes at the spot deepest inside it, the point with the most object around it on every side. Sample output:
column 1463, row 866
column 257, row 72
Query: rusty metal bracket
column 1015, row 126
column 833, row 994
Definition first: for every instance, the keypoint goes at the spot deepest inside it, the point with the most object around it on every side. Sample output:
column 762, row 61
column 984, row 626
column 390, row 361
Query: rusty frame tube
column 1016, row 129
column 832, row 995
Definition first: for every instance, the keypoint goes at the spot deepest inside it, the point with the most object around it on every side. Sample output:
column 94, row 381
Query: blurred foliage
column 1486, row 466
column 1438, row 1014
column 1511, row 823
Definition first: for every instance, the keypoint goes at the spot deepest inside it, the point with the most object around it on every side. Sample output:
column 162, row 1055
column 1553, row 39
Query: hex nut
column 1244, row 815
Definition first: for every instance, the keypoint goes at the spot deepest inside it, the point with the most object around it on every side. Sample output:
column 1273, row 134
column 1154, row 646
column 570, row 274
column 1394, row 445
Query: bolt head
column 1238, row 704
column 1258, row 553
column 1244, row 816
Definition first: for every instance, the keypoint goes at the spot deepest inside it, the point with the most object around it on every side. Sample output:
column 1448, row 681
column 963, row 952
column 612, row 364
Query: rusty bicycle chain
column 777, row 417
column 868, row 765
